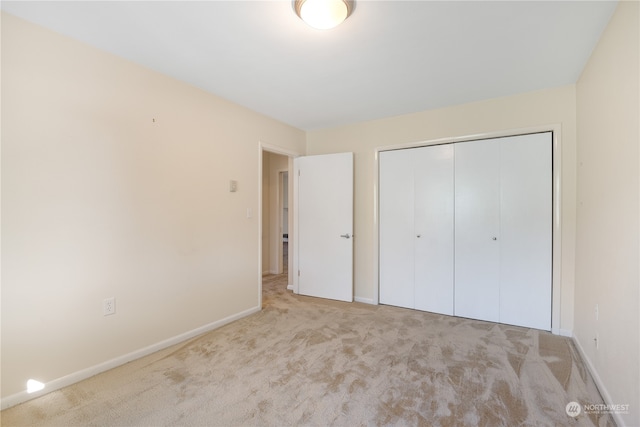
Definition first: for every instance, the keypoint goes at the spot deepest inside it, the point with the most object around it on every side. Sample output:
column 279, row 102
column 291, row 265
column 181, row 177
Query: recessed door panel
column 433, row 232
column 526, row 229
column 477, row 226
column 396, row 228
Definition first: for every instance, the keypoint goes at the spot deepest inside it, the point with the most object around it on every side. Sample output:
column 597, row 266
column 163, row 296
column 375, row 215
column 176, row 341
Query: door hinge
column 298, row 273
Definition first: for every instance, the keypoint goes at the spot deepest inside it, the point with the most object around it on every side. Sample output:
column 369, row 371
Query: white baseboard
column 290, row 287
column 364, row 300
column 596, row 378
column 83, row 374
column 562, row 332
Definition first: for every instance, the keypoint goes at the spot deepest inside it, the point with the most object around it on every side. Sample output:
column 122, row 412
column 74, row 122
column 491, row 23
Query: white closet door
column 433, row 212
column 477, row 226
column 526, row 230
column 396, row 228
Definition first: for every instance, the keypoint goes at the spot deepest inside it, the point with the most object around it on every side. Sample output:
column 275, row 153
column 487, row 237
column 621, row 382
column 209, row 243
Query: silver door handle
column 494, row 238
column 419, row 236
column 346, row 236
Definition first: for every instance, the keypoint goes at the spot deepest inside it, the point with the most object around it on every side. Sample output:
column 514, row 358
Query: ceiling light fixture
column 323, row 14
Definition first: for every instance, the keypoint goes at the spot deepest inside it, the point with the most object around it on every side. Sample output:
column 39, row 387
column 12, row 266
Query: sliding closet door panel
column 526, row 227
column 396, row 228
column 477, row 226
column 433, row 207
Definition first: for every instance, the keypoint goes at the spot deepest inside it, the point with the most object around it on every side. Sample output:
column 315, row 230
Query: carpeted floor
column 306, row 361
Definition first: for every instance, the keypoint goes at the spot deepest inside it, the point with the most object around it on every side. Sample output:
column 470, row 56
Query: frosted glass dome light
column 323, row 14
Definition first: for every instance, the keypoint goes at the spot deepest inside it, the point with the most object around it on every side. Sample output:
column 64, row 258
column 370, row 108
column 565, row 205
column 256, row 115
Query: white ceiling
column 388, row 58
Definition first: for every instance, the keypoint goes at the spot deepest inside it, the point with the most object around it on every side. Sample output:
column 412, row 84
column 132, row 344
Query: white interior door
column 526, row 230
column 477, row 226
column 397, row 234
column 325, row 225
column 433, row 236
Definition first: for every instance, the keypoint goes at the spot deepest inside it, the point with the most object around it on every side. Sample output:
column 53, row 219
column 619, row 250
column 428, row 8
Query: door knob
column 494, row 238
column 419, row 235
column 346, row 236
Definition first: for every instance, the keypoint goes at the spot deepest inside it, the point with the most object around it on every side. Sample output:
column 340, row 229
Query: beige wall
column 607, row 255
column 548, row 107
column 99, row 200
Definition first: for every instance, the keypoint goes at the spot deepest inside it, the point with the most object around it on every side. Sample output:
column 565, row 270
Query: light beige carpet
column 306, row 361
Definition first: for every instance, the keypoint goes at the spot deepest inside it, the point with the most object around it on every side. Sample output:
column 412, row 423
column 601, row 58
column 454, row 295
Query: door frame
column 291, row 154
column 557, row 293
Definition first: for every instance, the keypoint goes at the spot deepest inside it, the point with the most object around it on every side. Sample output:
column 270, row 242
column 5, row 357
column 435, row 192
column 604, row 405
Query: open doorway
column 276, row 259
column 276, row 214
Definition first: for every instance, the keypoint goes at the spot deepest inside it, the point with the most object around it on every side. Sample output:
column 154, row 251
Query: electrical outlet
column 109, row 306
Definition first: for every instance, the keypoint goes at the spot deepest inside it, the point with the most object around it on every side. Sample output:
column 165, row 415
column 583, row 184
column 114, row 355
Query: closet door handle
column 419, row 236
column 494, row 238
column 346, row 236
